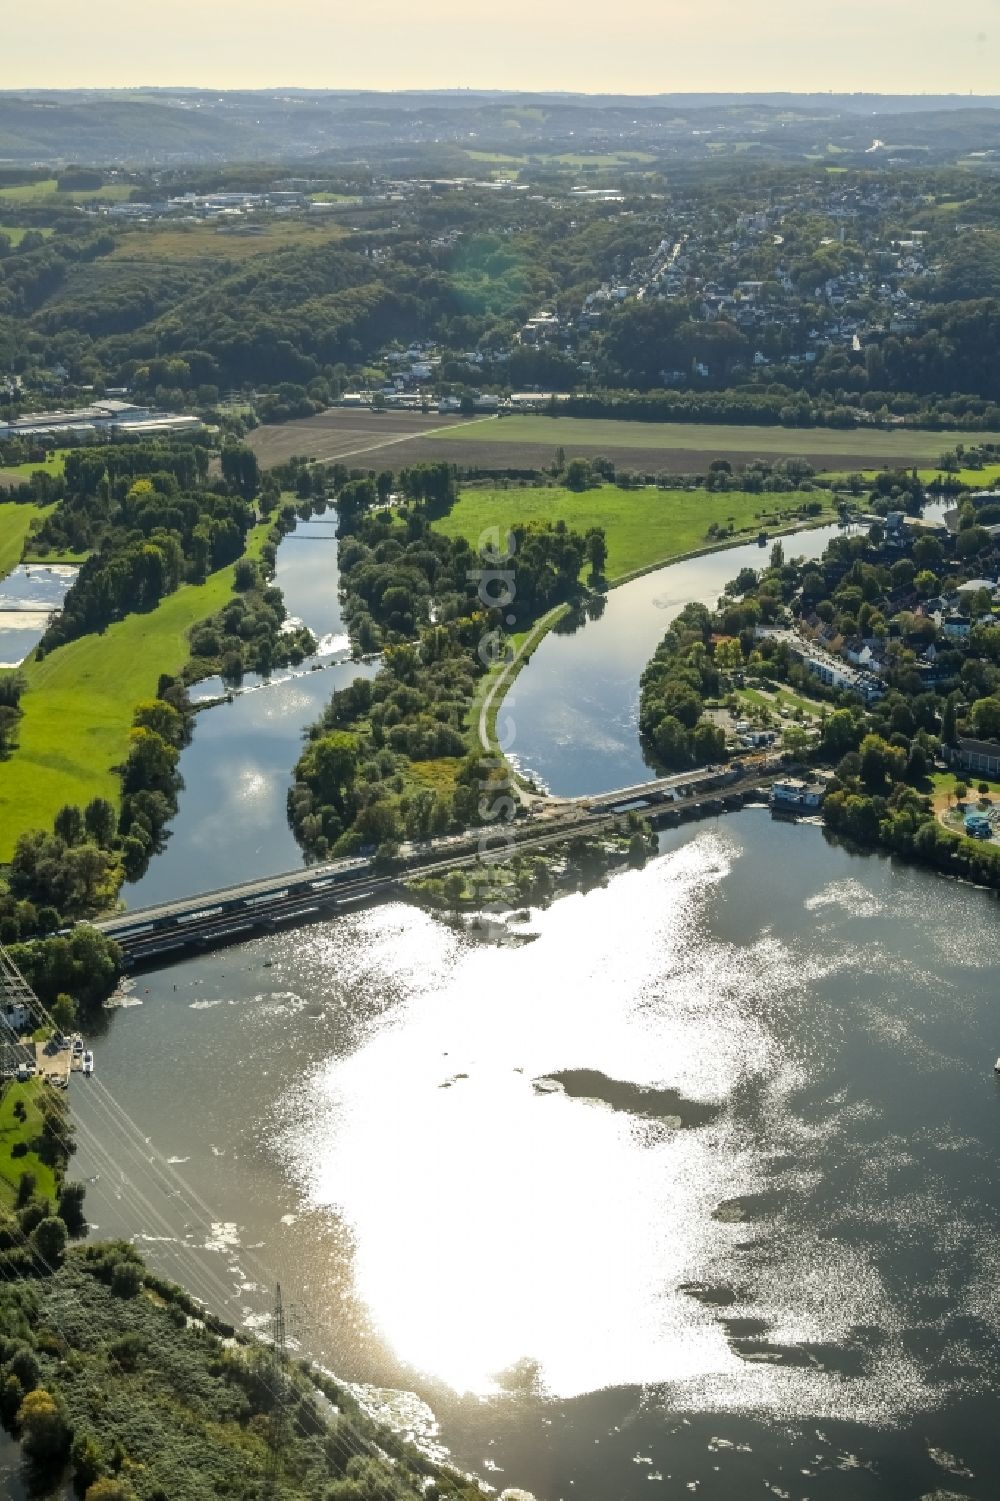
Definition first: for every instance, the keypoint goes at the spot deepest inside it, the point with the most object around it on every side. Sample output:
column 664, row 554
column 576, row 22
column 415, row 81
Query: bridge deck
column 290, row 895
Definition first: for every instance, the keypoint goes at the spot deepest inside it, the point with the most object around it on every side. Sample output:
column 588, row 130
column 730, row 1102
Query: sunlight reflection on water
column 495, row 1224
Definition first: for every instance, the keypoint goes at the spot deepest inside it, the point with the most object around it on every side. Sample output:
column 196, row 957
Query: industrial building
column 106, row 417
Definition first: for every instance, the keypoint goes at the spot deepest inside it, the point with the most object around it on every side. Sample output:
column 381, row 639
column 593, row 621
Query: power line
column 278, row 1427
column 125, row 1130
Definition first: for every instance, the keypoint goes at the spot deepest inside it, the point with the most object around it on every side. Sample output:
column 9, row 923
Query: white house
column 794, row 794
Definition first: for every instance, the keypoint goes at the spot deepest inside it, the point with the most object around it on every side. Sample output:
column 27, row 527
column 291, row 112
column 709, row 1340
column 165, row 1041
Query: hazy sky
column 641, row 46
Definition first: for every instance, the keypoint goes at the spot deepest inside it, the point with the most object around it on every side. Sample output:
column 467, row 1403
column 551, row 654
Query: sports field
column 80, row 700
column 643, row 527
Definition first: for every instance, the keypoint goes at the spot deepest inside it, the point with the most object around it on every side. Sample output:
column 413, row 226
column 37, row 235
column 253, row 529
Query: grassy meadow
column 180, row 242
column 15, row 233
column 48, row 191
column 12, row 1131
column 80, row 699
column 15, row 474
column 643, row 527
column 15, row 522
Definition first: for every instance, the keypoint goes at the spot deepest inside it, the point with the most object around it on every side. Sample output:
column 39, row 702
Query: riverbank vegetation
column 90, row 686
column 149, row 521
column 685, row 671
column 579, row 863
column 92, row 727
column 160, row 535
column 116, row 1381
column 33, row 1122
column 40, row 1211
column 915, row 608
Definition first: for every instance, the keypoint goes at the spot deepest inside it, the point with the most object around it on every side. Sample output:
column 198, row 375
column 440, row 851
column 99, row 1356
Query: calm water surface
column 760, row 1248
column 572, row 716
column 694, row 1192
column 232, row 824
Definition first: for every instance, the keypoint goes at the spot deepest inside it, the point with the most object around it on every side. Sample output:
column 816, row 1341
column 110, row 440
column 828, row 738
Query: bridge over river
column 213, row 919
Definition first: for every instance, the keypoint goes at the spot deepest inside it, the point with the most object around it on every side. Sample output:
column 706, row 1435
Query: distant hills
column 172, row 126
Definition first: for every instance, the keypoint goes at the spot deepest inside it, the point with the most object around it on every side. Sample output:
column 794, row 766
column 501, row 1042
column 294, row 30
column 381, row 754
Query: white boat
column 87, row 1067
column 996, row 1067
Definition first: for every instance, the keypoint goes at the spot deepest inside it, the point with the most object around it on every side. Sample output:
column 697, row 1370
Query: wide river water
column 696, row 1188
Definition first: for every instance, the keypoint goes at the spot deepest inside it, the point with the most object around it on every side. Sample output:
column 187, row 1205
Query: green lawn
column 12, row 1130
column 15, row 523
column 16, row 233
column 977, row 479
column 80, row 699
column 643, row 527
column 713, row 439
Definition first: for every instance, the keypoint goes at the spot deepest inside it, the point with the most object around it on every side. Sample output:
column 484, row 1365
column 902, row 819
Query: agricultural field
column 381, row 440
column 80, row 699
column 172, row 242
column 396, row 439
column 580, row 160
column 15, row 523
column 643, row 527
column 865, row 446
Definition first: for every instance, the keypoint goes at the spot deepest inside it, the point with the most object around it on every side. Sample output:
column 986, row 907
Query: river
column 231, row 823
column 572, row 717
column 694, row 1189
column 697, row 1188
